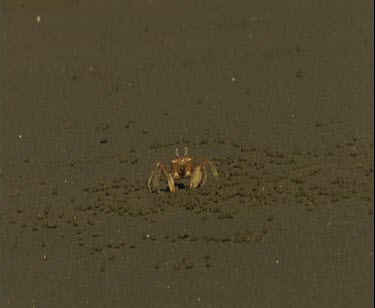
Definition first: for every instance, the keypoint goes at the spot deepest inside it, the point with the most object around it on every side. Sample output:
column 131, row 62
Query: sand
column 277, row 94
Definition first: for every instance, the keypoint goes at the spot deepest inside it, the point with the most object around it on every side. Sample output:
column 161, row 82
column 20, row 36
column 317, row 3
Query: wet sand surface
column 279, row 96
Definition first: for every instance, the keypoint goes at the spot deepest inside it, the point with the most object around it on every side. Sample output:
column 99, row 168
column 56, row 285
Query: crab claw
column 196, row 177
column 171, row 184
column 199, row 175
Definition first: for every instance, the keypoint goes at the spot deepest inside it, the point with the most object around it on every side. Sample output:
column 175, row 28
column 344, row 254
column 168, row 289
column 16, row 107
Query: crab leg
column 204, row 180
column 212, row 168
column 153, row 180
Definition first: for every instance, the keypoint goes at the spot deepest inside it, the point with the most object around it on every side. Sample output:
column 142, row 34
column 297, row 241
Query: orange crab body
column 182, row 167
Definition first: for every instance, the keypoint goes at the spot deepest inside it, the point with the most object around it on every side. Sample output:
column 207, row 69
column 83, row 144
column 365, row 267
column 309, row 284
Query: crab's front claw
column 196, row 177
column 171, row 184
column 199, row 175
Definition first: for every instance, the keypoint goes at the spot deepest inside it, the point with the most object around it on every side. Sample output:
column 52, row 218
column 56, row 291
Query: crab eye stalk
column 177, row 152
column 186, row 151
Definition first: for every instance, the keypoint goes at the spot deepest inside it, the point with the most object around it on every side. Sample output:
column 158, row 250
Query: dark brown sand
column 278, row 94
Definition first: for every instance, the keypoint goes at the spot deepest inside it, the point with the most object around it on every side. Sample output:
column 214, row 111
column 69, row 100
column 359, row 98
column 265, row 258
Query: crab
column 182, row 167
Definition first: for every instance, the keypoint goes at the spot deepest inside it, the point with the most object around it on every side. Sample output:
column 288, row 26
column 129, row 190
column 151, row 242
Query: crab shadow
column 179, row 186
